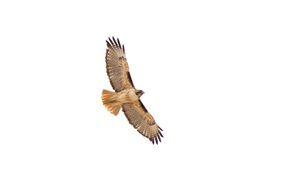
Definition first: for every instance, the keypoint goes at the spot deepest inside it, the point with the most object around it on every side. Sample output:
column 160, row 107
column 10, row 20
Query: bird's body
column 126, row 96
column 115, row 100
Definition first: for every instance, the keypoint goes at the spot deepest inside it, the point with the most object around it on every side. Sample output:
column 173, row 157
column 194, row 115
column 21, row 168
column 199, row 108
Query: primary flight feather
column 126, row 96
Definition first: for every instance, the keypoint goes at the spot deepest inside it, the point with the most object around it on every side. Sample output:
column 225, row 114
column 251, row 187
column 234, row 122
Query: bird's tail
column 109, row 101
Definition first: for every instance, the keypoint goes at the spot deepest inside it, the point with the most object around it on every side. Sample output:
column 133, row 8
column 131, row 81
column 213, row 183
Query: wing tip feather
column 112, row 42
column 115, row 42
column 119, row 43
column 108, row 44
column 157, row 138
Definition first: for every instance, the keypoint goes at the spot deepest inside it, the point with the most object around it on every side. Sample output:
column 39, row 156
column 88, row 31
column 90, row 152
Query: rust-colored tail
column 110, row 102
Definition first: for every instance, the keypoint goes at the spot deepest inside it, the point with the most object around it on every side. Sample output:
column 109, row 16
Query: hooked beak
column 140, row 93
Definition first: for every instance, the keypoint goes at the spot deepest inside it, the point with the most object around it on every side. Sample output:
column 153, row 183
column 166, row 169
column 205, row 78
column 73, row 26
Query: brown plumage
column 126, row 96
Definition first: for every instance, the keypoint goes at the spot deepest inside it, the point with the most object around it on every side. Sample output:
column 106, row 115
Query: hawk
column 126, row 96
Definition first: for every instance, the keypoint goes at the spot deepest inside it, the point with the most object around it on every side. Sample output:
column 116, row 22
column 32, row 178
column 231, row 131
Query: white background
column 213, row 73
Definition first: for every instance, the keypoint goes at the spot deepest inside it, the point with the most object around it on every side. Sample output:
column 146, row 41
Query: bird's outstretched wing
column 117, row 65
column 143, row 121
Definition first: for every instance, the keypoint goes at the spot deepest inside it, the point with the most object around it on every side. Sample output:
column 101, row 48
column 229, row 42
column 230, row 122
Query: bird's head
column 139, row 93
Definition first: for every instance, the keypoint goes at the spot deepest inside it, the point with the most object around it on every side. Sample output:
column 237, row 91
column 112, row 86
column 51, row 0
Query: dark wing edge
column 144, row 125
column 130, row 79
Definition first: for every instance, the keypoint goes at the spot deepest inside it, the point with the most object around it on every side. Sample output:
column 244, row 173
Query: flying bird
column 126, row 96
